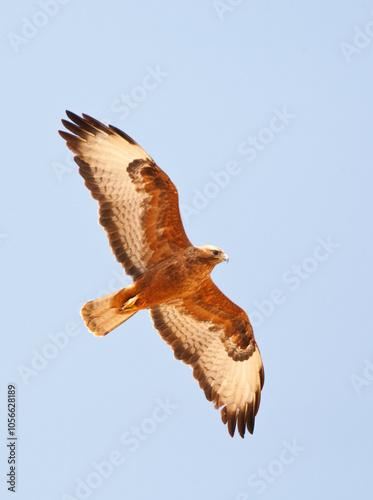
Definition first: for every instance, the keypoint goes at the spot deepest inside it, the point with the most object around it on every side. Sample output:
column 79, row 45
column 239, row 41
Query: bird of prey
column 139, row 210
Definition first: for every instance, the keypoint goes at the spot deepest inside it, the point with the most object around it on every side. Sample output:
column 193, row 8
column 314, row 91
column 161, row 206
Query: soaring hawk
column 139, row 210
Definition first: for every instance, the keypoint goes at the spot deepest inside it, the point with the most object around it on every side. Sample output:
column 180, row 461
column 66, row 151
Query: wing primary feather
column 73, row 142
column 262, row 377
column 122, row 134
column 257, row 403
column 250, row 419
column 87, row 123
column 84, row 125
column 81, row 132
column 96, row 124
column 232, row 419
column 74, row 117
column 241, row 421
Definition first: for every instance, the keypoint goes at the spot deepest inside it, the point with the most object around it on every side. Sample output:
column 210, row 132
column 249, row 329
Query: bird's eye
column 215, row 252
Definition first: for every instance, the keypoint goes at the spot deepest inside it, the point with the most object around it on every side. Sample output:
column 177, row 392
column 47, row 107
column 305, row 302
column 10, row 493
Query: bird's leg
column 130, row 304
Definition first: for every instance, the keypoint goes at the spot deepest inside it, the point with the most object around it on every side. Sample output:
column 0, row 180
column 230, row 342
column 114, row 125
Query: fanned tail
column 101, row 317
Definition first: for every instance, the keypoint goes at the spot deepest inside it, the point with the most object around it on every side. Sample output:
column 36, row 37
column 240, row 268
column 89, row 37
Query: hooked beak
column 225, row 257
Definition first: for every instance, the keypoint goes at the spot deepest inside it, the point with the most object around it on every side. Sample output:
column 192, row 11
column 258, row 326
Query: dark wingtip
column 262, row 376
column 95, row 123
column 122, row 134
column 72, row 115
column 231, row 425
column 65, row 135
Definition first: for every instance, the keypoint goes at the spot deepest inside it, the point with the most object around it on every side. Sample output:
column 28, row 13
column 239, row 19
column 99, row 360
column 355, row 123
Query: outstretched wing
column 139, row 207
column 214, row 336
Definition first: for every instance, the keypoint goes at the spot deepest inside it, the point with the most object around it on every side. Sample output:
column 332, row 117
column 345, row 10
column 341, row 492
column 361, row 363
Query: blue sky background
column 294, row 214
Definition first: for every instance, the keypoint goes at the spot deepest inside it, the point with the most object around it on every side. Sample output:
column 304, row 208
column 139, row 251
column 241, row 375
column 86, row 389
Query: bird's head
column 213, row 254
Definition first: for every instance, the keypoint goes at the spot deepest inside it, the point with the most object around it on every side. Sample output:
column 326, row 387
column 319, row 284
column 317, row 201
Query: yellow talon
column 129, row 304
